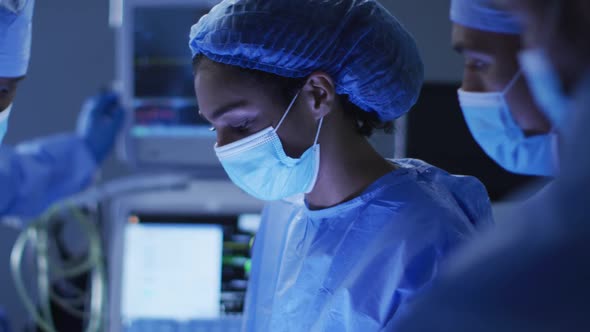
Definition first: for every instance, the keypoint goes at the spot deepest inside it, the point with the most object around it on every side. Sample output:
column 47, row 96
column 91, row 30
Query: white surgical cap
column 484, row 15
column 15, row 36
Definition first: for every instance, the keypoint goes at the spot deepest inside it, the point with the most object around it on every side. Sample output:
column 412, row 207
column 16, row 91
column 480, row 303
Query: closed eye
column 242, row 127
column 476, row 65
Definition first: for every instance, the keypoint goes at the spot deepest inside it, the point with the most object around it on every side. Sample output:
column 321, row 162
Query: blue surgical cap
column 484, row 15
column 15, row 37
column 370, row 56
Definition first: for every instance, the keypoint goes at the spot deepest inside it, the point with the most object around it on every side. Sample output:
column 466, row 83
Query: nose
column 226, row 136
column 472, row 82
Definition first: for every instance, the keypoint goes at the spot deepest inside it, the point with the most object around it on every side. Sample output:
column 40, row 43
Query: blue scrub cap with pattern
column 368, row 53
column 484, row 15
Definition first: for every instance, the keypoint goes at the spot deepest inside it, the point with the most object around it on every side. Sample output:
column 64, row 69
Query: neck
column 347, row 168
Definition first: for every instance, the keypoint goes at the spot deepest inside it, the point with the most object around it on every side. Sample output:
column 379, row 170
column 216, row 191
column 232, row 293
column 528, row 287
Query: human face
column 491, row 62
column 561, row 29
column 8, row 91
column 238, row 106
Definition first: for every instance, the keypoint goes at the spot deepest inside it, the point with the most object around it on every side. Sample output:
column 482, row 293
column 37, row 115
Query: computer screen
column 171, row 272
column 164, row 97
column 185, row 272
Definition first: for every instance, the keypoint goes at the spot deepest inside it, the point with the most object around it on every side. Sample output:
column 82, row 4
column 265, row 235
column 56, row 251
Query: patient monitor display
column 185, row 272
column 163, row 76
column 157, row 81
column 171, row 272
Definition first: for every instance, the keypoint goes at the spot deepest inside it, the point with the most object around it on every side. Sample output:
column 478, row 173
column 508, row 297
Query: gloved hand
column 99, row 123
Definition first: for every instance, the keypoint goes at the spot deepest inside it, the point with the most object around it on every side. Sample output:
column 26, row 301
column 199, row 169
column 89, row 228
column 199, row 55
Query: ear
column 319, row 94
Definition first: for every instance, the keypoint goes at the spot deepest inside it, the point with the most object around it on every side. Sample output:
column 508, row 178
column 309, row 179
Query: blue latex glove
column 99, row 123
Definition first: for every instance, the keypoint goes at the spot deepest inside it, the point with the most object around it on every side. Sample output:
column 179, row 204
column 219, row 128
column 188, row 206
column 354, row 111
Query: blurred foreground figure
column 532, row 272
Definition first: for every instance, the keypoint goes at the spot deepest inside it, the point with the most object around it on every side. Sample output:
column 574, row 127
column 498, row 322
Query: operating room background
column 73, row 58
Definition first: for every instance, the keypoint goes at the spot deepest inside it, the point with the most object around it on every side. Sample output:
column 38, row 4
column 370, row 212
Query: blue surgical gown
column 36, row 174
column 532, row 272
column 352, row 266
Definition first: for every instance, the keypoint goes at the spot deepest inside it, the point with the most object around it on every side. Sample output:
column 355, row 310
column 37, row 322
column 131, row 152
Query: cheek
column 226, row 136
column 297, row 133
column 6, row 99
column 502, row 73
column 472, row 81
column 525, row 111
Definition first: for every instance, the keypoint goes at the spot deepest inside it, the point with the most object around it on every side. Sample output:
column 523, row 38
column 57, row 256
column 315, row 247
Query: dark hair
column 366, row 122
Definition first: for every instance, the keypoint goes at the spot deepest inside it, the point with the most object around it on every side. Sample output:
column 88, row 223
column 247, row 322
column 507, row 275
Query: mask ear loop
column 287, row 111
column 512, row 82
column 317, row 135
column 507, row 89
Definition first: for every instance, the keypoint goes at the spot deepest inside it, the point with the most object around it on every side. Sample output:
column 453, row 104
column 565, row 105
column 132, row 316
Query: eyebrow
column 459, row 47
column 227, row 108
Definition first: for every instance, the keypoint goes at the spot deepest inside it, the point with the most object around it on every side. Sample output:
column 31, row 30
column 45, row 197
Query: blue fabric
column 39, row 173
column 353, row 266
column 251, row 161
column 371, row 57
column 490, row 121
column 484, row 15
column 4, row 115
column 531, row 272
column 15, row 38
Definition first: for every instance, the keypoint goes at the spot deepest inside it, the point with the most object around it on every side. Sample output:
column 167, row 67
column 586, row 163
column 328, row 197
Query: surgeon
column 293, row 88
column 531, row 272
column 36, row 174
column 518, row 132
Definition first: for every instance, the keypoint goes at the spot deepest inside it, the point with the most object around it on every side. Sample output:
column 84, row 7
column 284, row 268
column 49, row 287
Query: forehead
column 217, row 81
column 9, row 82
column 468, row 39
column 218, row 85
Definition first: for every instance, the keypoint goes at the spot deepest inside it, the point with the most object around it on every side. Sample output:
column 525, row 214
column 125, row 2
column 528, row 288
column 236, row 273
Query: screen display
column 170, row 258
column 164, row 97
column 171, row 271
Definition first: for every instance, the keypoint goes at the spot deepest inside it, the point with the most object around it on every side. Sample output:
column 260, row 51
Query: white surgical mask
column 4, row 122
column 493, row 127
column 546, row 87
column 259, row 165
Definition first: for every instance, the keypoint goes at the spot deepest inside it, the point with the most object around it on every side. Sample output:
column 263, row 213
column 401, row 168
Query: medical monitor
column 156, row 287
column 179, row 259
column 185, row 272
column 155, row 76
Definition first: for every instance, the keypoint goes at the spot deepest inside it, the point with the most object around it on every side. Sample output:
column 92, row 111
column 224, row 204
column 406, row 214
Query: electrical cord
column 38, row 234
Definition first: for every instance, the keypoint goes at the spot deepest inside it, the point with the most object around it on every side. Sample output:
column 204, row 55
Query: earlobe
column 321, row 93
